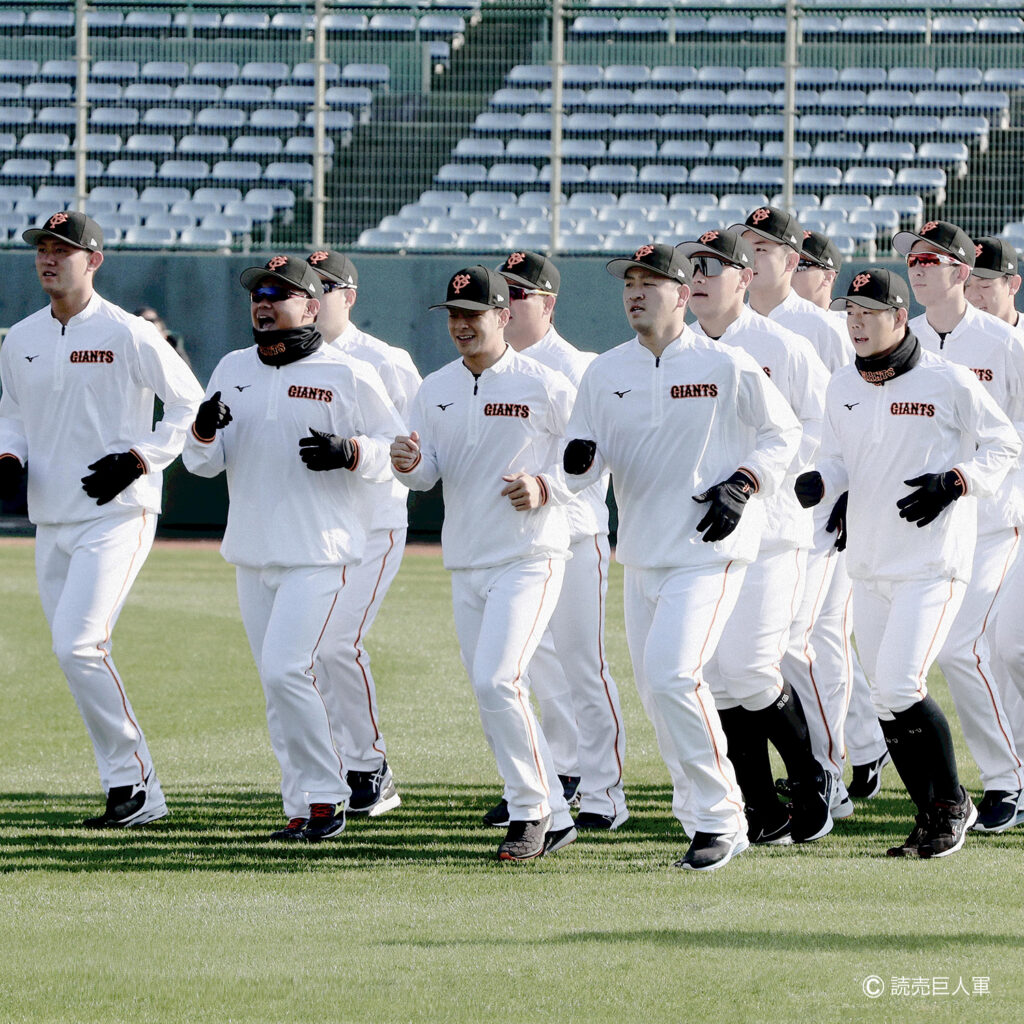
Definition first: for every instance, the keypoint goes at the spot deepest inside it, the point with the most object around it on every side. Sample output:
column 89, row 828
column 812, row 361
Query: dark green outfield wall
column 201, row 299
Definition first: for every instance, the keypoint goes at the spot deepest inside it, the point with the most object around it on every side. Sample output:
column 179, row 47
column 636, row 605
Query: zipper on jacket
column 656, row 398
column 474, row 412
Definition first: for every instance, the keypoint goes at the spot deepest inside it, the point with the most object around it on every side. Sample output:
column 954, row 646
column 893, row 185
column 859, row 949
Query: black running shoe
column 293, row 830
column 811, row 808
column 947, row 827
column 867, row 778
column 997, row 811
column 570, row 788
column 323, row 823
column 524, row 839
column 558, row 839
column 497, row 816
column 373, row 792
column 912, row 844
column 131, row 805
column 710, row 851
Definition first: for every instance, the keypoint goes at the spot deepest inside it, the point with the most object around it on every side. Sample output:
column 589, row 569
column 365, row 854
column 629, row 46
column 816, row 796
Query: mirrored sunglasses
column 931, row 259
column 807, row 265
column 516, row 292
column 272, row 293
column 708, row 266
column 334, row 286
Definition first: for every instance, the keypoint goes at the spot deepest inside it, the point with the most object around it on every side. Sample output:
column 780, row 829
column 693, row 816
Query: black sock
column 785, row 725
column 748, row 752
column 924, row 732
column 913, row 774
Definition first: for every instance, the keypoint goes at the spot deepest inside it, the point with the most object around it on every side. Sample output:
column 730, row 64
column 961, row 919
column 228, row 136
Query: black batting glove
column 322, row 451
column 837, row 521
column 810, row 489
column 726, row 506
column 211, row 416
column 111, row 475
column 578, row 456
column 935, row 492
column 10, row 475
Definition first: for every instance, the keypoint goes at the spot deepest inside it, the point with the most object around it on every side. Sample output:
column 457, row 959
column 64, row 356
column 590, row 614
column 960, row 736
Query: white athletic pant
column 500, row 615
column 901, row 627
column 864, row 740
column 577, row 632
column 744, row 671
column 85, row 571
column 674, row 621
column 343, row 662
column 551, row 692
column 969, row 671
column 1006, row 643
column 285, row 612
column 817, row 661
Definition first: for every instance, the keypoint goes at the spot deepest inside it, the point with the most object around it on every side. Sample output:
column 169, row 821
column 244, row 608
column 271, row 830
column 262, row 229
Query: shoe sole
column 992, row 830
column 738, row 847
column 143, row 817
column 820, row 834
column 516, row 859
column 620, row 819
column 382, row 806
column 569, row 837
column 972, row 817
column 786, row 839
column 843, row 810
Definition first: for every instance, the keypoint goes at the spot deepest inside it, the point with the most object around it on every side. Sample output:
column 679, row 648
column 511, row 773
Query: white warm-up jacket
column 280, row 512
column 670, row 427
column 819, row 326
column 934, row 418
column 74, row 393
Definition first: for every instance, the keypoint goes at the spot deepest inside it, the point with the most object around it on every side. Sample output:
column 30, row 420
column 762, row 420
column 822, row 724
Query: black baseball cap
column 531, row 270
column 663, row 259
column 774, row 224
column 288, row 270
column 476, row 289
column 945, row 237
column 335, row 266
column 994, row 257
column 70, row 226
column 876, row 289
column 727, row 246
column 820, row 250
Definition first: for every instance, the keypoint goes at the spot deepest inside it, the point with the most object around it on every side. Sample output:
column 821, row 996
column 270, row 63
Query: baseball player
column 992, row 287
column 695, row 437
column 814, row 279
column 817, row 270
column 753, row 700
column 817, row 663
column 915, row 440
column 940, row 257
column 345, row 664
column 78, row 379
column 489, row 425
column 304, row 430
column 569, row 673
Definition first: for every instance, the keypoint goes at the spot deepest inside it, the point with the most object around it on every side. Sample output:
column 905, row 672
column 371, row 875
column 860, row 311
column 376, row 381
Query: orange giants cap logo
column 319, row 256
column 277, row 261
column 860, row 280
column 929, row 227
column 57, row 218
column 807, row 234
column 644, row 250
column 759, row 215
column 708, row 236
column 977, row 251
column 515, row 259
column 459, row 281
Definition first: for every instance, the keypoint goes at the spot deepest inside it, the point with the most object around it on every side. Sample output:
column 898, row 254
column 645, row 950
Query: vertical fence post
column 557, row 68
column 319, row 131
column 789, row 112
column 81, row 104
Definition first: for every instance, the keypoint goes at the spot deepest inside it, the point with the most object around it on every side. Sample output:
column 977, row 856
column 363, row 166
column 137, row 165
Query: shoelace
column 321, row 810
column 296, row 824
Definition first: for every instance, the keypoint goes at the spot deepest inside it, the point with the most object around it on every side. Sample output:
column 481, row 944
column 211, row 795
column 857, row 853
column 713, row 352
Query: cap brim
column 521, row 281
column 691, row 249
column 32, row 236
column 251, row 277
column 840, row 303
column 467, row 304
column 991, row 275
column 763, row 234
column 903, row 242
column 618, row 268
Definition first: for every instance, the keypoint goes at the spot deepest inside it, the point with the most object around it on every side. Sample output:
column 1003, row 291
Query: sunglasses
column 931, row 259
column 334, row 286
column 272, row 293
column 708, row 266
column 516, row 293
column 807, row 265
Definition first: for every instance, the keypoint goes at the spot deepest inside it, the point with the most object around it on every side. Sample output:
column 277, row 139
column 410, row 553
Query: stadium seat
column 187, row 170
column 167, row 117
column 166, row 194
column 215, row 71
column 114, row 70
column 870, row 177
column 114, row 117
column 256, row 212
column 890, row 152
column 150, row 20
column 245, row 22
column 305, row 72
column 198, row 92
column 203, row 144
column 206, row 237
column 201, row 21
column 279, row 171
column 257, row 145
column 43, row 141
column 846, row 201
column 236, row 170
column 150, row 144
column 150, row 238
column 149, row 92
column 131, row 169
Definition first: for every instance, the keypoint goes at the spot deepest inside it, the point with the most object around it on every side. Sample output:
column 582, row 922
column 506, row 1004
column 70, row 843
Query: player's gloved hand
column 10, row 475
column 810, row 489
column 211, row 416
column 837, row 521
column 726, row 506
column 322, row 451
column 111, row 475
column 935, row 491
column 578, row 456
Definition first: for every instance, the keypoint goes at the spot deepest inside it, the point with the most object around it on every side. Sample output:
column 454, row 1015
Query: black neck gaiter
column 878, row 369
column 279, row 348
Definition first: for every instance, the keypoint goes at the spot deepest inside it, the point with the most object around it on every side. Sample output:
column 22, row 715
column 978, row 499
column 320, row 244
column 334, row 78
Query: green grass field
column 408, row 917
